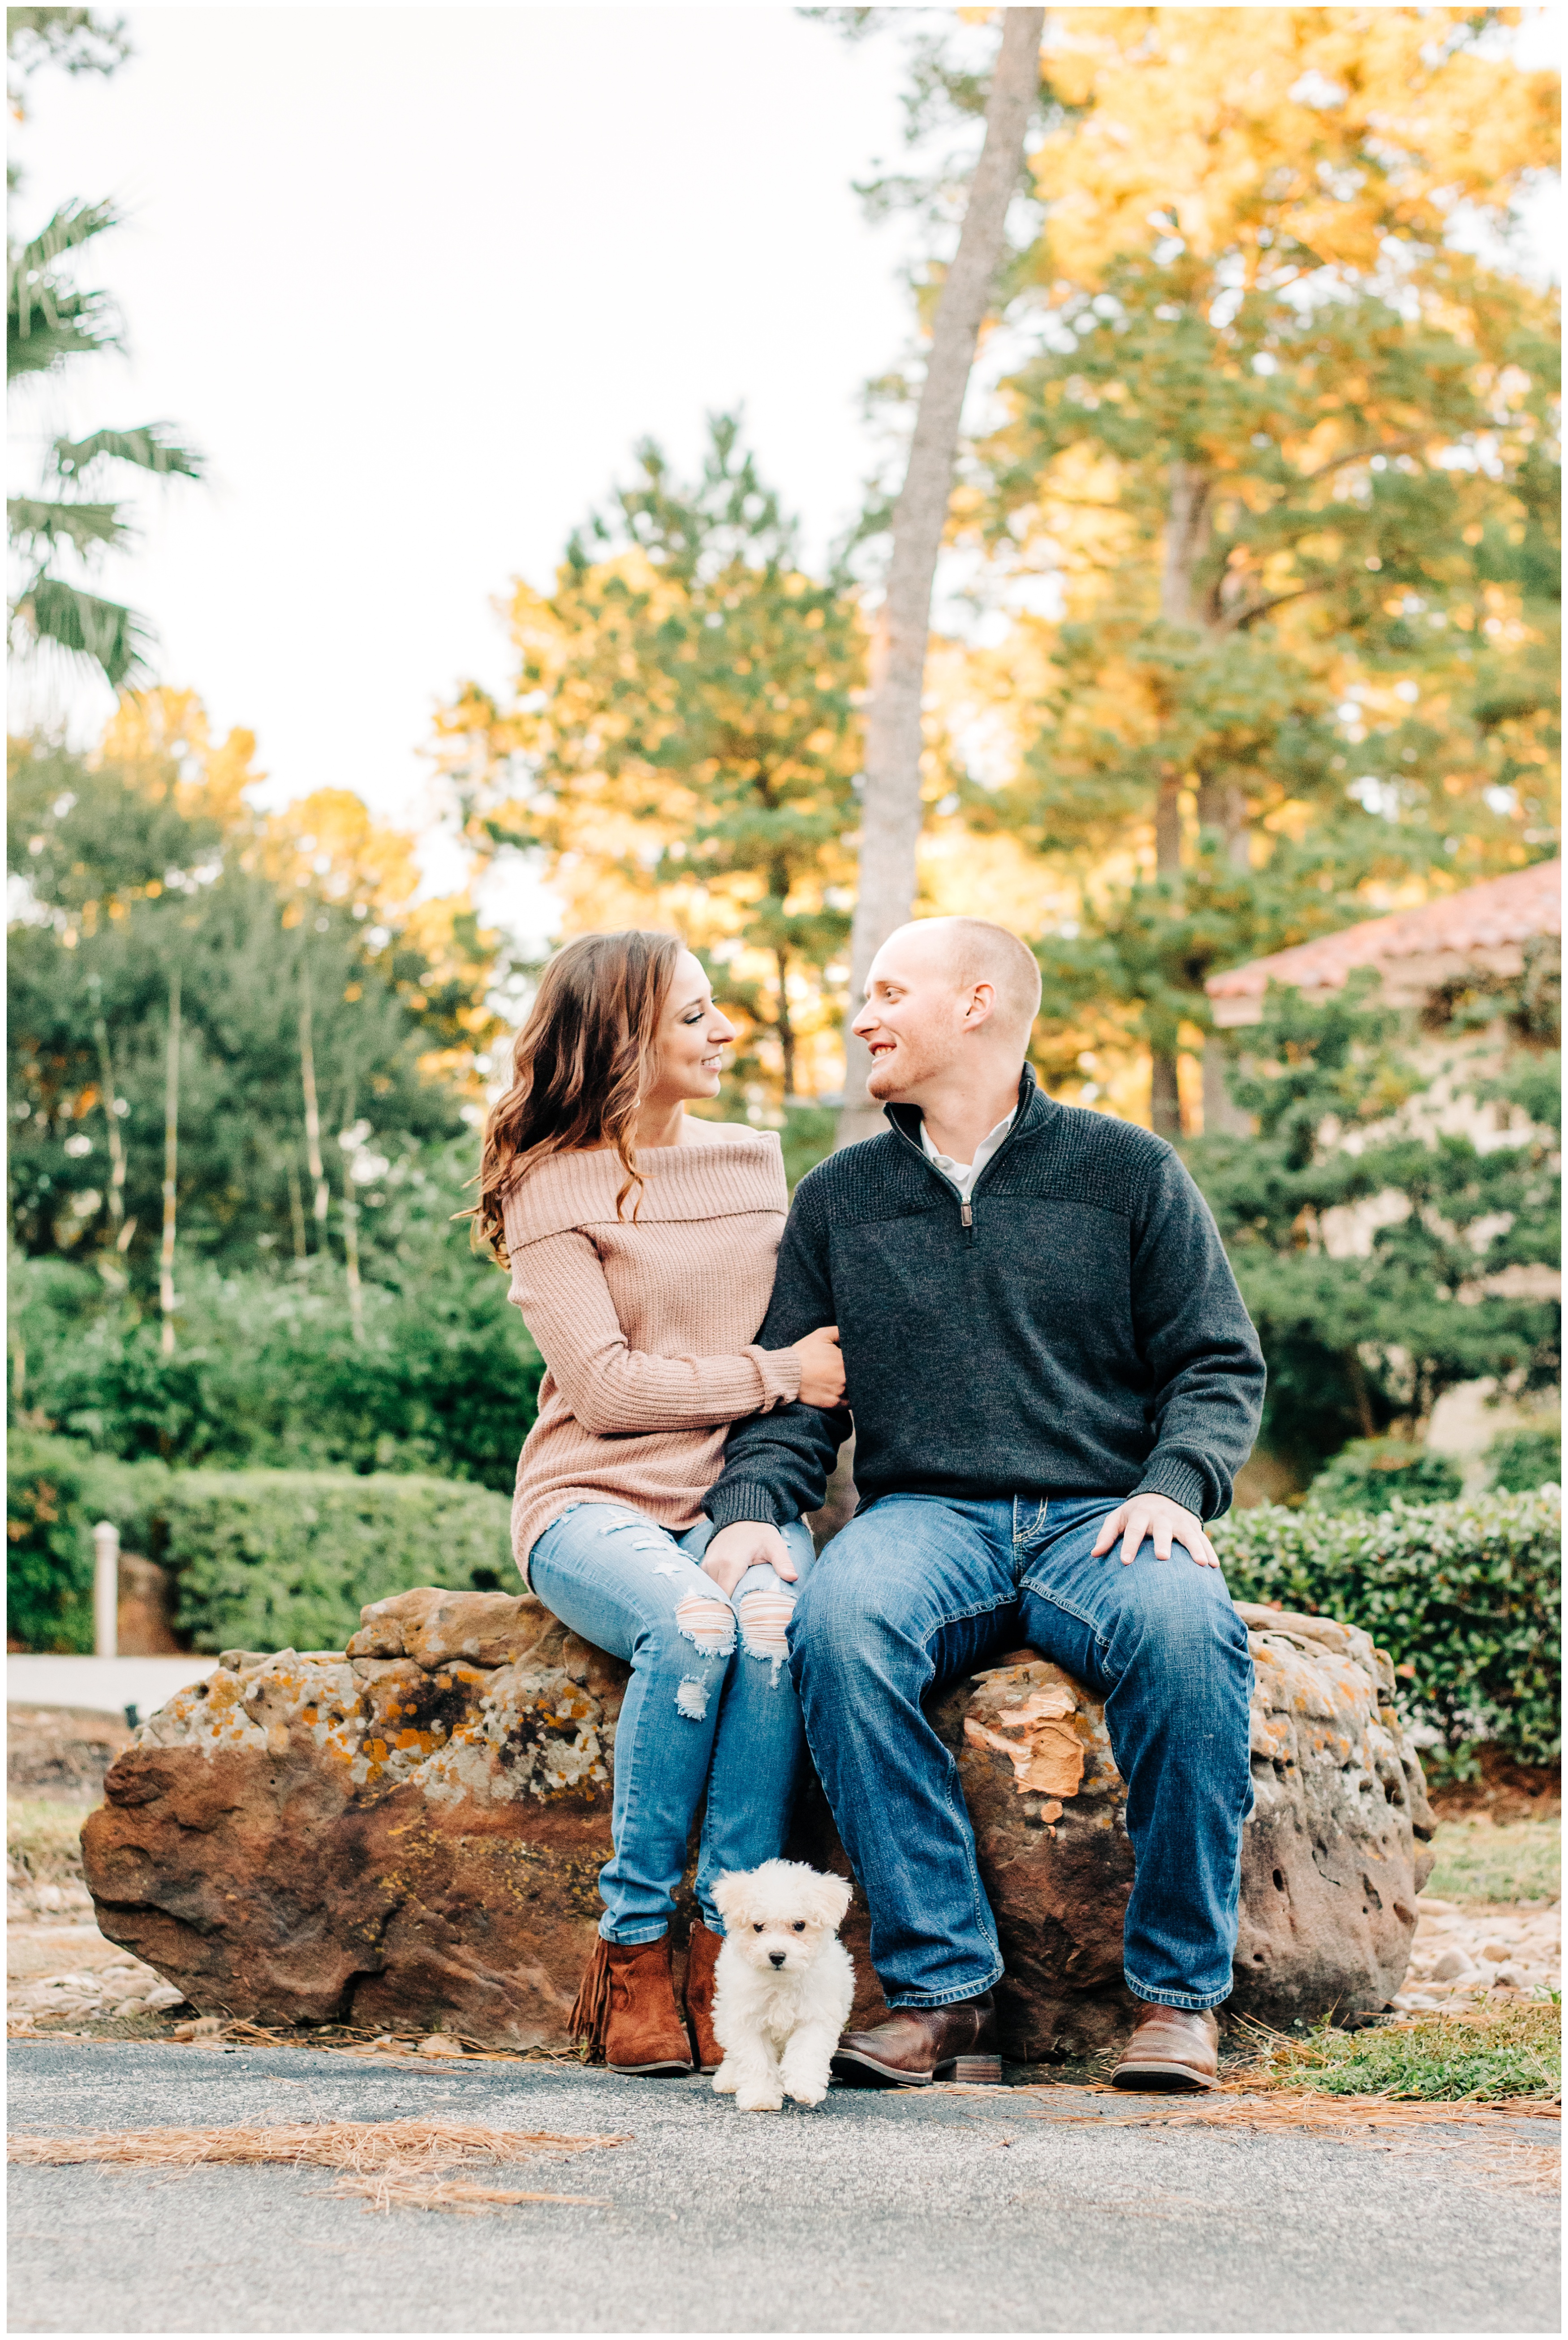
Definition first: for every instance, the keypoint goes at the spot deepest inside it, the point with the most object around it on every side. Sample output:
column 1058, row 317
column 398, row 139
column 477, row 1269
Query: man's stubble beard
column 888, row 1085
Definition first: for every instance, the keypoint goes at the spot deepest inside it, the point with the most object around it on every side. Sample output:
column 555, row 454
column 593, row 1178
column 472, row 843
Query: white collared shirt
column 964, row 1174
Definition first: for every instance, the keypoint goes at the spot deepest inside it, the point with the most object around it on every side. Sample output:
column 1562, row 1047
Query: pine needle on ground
column 344, row 2040
column 401, row 2164
column 1388, row 2123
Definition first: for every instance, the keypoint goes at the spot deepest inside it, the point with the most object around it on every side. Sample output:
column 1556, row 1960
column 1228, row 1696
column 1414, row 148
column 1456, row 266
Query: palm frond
column 147, row 445
column 48, row 320
column 35, row 519
column 114, row 638
column 76, row 222
column 68, row 327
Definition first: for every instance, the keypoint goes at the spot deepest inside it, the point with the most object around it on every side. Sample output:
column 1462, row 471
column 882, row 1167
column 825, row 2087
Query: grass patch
column 1484, row 2054
column 45, row 1839
column 1477, row 1861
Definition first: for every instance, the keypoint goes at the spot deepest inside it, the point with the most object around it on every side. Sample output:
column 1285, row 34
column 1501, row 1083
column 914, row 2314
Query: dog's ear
column 834, row 1895
column 729, row 1896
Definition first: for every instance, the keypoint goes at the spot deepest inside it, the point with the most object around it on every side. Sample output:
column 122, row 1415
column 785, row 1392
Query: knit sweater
column 646, row 1325
column 1072, row 1327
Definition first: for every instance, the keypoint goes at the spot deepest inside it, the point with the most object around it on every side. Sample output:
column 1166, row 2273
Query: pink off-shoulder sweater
column 647, row 1325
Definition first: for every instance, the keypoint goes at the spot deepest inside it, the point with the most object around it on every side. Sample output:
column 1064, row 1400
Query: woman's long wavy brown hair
column 580, row 1067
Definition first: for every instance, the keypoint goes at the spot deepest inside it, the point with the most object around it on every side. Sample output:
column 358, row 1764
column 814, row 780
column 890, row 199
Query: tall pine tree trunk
column 351, row 1232
column 170, row 1167
column 1187, row 522
column 786, row 1025
column 312, row 1114
column 296, row 1208
column 122, row 1231
column 890, row 806
column 1164, row 1095
column 1222, row 805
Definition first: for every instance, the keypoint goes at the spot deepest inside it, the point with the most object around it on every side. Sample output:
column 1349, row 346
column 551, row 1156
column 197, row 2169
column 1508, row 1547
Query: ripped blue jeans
column 711, row 1702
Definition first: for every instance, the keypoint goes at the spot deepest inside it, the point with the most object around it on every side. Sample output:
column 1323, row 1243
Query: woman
column 641, row 1247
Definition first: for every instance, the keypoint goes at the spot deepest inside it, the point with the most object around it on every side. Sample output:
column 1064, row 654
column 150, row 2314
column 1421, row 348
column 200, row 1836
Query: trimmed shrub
column 269, row 1560
column 1367, row 1474
column 56, row 1491
column 1466, row 1596
column 1520, row 1459
column 267, row 1378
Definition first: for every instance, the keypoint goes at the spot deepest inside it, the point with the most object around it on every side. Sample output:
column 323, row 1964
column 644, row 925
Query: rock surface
column 409, row 1831
column 1332, row 1857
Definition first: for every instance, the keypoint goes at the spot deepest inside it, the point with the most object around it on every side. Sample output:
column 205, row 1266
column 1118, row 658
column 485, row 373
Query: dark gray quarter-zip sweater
column 1074, row 1329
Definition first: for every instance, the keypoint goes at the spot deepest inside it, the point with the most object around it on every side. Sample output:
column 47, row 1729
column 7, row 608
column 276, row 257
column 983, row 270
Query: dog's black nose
column 775, row 1957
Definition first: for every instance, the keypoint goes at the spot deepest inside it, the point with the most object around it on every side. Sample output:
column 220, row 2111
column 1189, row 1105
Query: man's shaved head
column 978, row 950
column 950, row 1007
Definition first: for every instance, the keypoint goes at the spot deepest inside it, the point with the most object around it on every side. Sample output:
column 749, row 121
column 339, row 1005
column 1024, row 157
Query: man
column 1053, row 1381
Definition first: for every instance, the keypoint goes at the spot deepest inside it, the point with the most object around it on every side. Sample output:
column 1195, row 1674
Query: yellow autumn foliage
column 1240, row 128
column 159, row 742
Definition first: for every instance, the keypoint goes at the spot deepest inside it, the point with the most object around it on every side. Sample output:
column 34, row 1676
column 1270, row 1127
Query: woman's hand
column 741, row 1546
column 821, row 1367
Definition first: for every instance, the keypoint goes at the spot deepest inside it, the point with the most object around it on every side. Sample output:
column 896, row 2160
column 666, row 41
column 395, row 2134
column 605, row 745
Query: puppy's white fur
column 783, row 1986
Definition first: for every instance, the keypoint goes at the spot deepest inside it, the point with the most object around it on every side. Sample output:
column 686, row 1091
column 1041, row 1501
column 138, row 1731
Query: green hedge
column 264, row 1559
column 1522, row 1459
column 269, row 1560
column 1367, row 1474
column 1465, row 1596
column 56, row 1489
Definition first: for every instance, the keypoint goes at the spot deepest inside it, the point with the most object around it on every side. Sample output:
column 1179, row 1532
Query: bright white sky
column 416, row 279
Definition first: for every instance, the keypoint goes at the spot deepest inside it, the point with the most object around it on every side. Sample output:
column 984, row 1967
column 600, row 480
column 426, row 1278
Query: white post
column 106, row 1588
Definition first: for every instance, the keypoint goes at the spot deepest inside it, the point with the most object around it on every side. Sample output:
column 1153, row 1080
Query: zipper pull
column 967, row 1217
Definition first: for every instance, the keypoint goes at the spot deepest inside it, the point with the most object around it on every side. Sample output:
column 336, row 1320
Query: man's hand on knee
column 741, row 1546
column 1142, row 1517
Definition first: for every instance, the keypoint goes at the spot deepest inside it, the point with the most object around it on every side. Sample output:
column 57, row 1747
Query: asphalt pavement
column 993, row 2211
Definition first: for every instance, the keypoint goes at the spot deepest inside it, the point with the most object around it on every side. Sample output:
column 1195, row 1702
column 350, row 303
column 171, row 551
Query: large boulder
column 408, row 1832
column 1332, row 1857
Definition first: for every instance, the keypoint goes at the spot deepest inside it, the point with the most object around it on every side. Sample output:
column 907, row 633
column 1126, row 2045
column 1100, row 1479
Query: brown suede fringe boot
column 702, row 1958
column 626, row 2005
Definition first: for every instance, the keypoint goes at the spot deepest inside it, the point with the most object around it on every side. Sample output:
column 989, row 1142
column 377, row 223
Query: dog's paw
column 755, row 2100
column 807, row 2092
column 724, row 2081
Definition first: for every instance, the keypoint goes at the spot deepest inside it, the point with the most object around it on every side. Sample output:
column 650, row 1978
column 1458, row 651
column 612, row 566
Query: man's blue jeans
column 710, row 1706
column 919, row 1591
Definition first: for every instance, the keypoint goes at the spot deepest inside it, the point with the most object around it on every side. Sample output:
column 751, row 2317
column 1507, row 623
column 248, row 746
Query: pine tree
column 1394, row 1213
column 681, row 746
column 1289, row 452
column 144, row 864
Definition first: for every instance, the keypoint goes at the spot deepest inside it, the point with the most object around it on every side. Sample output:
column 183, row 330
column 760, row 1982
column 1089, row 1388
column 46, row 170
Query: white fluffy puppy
column 783, row 1985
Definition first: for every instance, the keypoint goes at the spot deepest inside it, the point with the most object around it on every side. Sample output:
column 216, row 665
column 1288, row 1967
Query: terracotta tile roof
column 1503, row 910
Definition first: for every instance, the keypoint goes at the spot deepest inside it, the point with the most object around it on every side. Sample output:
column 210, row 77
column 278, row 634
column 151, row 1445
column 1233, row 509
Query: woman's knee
column 706, row 1622
column 764, row 1605
column 687, row 1656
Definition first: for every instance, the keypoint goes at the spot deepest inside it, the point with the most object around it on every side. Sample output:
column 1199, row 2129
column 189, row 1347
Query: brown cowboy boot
column 1171, row 2047
column 918, row 2045
column 702, row 1958
column 626, row 2005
